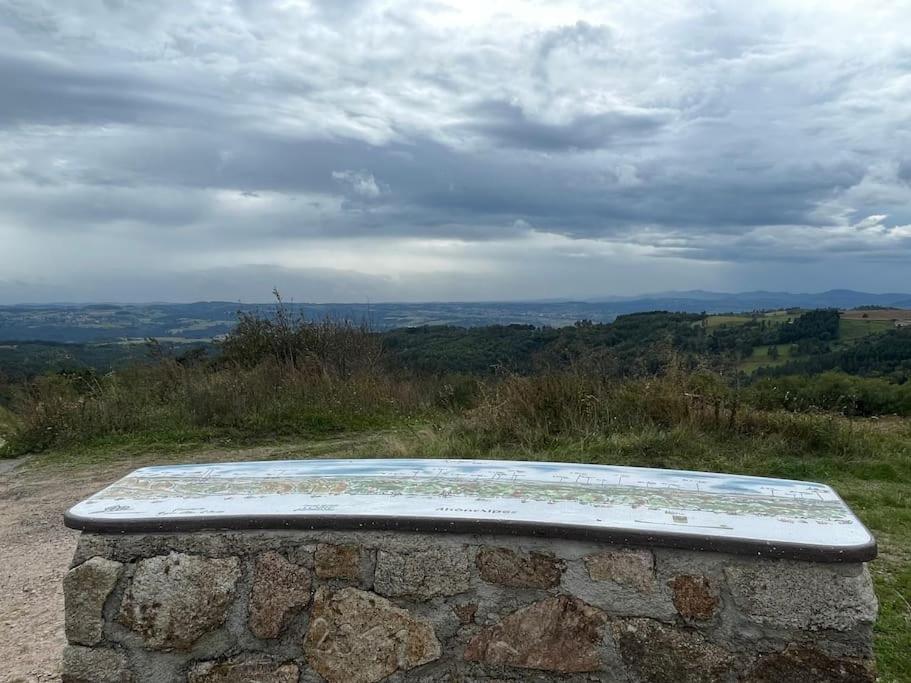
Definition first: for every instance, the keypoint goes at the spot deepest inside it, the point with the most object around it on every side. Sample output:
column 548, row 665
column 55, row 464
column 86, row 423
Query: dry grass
column 171, row 403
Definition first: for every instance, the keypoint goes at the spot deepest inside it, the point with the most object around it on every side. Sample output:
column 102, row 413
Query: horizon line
column 593, row 299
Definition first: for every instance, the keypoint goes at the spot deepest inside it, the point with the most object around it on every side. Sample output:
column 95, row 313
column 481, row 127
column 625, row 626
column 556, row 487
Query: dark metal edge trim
column 681, row 541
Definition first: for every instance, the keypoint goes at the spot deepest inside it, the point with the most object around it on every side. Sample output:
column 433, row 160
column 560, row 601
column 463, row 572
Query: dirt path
column 36, row 549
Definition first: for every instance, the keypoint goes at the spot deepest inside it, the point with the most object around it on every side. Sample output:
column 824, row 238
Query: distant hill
column 722, row 302
column 87, row 323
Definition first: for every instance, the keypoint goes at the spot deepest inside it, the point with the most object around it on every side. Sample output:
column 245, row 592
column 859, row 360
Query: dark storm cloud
column 425, row 188
column 904, row 171
column 38, row 90
column 206, row 130
column 508, row 125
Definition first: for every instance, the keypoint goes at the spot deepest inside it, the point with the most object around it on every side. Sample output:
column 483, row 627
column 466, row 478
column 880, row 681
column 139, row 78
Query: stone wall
column 358, row 607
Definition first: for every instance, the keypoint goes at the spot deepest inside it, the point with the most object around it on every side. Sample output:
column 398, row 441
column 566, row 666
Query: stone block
column 175, row 599
column 334, row 561
column 94, row 665
column 359, row 637
column 560, row 634
column 422, row 574
column 658, row 653
column 279, row 589
column 623, row 582
column 809, row 665
column 244, row 670
column 803, row 595
column 695, row 597
column 631, row 567
column 85, row 590
column 519, row 570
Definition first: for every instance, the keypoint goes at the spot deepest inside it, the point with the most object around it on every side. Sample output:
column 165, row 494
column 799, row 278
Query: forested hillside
column 756, row 345
column 630, row 341
column 762, row 344
column 884, row 355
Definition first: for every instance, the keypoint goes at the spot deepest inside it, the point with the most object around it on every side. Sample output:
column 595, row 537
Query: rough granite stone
column 338, row 561
column 694, row 597
column 422, row 574
column 658, row 653
column 809, row 665
column 518, row 570
column 640, row 619
column 94, row 665
column 258, row 669
column 175, row 599
column 633, row 567
column 279, row 589
column 619, row 599
column 358, row 637
column 85, row 590
column 557, row 634
column 803, row 595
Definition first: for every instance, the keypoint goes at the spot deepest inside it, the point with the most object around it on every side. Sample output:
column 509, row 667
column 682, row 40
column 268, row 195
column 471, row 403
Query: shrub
column 534, row 410
column 834, row 392
column 327, row 347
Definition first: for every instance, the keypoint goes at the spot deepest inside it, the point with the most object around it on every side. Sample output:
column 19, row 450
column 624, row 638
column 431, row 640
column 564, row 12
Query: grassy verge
column 140, row 452
column 172, row 406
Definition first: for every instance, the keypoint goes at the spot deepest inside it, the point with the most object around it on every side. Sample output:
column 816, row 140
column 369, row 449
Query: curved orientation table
column 623, row 505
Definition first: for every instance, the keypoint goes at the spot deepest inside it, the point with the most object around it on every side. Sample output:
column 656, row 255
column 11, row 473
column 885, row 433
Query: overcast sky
column 352, row 150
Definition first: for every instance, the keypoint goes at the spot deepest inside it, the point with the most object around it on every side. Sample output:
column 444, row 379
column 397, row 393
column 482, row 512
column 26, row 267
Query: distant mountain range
column 205, row 320
column 723, row 302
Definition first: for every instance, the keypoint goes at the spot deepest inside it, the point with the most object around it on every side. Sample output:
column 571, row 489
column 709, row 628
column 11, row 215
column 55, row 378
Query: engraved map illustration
column 598, row 496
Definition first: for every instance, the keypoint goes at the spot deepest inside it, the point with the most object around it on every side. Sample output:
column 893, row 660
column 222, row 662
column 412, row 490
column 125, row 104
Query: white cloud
column 360, row 182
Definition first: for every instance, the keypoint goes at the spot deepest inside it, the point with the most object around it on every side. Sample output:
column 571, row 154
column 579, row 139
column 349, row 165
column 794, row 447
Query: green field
column 850, row 330
column 780, row 316
column 714, row 321
column 760, row 357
